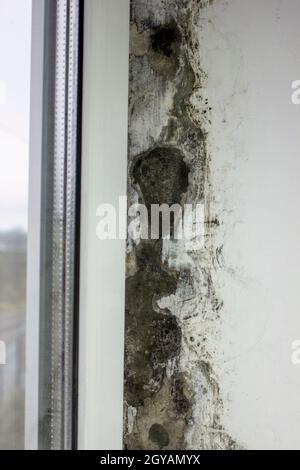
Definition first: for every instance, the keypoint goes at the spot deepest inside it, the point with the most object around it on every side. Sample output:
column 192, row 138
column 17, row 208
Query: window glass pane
column 15, row 34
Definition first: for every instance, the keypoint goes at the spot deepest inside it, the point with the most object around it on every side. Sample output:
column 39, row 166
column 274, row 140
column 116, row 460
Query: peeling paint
column 172, row 396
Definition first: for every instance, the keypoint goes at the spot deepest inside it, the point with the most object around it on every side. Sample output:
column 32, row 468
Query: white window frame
column 104, row 179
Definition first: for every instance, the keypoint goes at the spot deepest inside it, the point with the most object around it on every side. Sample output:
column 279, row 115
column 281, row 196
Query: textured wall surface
column 209, row 328
column 172, row 395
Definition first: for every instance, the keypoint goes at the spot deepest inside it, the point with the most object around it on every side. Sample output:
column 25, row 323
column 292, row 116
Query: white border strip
column 34, row 226
column 104, row 179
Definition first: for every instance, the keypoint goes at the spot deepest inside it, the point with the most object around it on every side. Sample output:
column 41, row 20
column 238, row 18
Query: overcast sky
column 15, row 31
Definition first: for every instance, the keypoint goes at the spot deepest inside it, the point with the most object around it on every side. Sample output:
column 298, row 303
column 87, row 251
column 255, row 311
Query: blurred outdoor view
column 15, row 33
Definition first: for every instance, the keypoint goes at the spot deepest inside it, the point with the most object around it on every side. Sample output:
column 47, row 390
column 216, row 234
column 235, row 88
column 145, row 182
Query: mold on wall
column 172, row 395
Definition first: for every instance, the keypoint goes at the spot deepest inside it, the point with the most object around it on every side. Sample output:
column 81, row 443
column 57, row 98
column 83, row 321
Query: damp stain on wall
column 171, row 393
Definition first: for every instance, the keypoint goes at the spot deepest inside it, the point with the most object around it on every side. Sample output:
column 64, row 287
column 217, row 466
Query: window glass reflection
column 15, row 32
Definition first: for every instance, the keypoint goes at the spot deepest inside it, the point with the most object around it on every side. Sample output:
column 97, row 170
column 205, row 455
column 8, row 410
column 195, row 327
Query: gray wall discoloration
column 172, row 397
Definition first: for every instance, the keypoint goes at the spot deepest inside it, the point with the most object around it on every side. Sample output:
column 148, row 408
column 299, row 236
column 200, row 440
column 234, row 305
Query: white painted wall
column 250, row 52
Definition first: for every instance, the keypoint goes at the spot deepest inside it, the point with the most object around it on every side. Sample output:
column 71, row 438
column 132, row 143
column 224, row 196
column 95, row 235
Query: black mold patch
column 168, row 335
column 164, row 40
column 159, row 435
column 162, row 176
column 182, row 403
column 152, row 338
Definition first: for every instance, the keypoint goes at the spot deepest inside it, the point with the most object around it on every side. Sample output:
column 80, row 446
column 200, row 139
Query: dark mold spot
column 158, row 435
column 164, row 39
column 162, row 176
column 168, row 336
column 214, row 222
column 164, row 51
column 153, row 338
column 182, row 403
